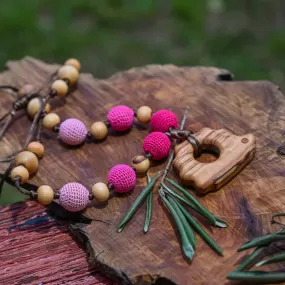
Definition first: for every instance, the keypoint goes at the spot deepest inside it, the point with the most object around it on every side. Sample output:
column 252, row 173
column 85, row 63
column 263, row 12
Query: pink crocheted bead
column 157, row 144
column 123, row 177
column 72, row 131
column 162, row 120
column 121, row 118
column 73, row 197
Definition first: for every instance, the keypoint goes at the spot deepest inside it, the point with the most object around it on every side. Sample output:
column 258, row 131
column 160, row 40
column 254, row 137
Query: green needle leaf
column 187, row 228
column 187, row 248
column 262, row 241
column 257, row 276
column 148, row 212
column 275, row 258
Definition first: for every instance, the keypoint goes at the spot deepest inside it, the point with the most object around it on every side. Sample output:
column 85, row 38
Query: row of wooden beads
column 99, row 130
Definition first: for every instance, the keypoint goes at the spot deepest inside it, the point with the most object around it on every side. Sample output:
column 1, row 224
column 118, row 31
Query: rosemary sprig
column 261, row 244
column 148, row 212
column 187, row 247
column 128, row 216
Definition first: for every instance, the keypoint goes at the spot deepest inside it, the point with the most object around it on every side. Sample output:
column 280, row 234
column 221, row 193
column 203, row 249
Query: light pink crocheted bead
column 157, row 144
column 72, row 131
column 121, row 118
column 162, row 120
column 123, row 177
column 73, row 197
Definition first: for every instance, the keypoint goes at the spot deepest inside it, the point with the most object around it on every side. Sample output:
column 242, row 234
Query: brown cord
column 31, row 193
column 185, row 134
column 7, row 124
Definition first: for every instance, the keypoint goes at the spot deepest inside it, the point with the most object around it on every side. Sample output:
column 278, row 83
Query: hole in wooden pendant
column 208, row 153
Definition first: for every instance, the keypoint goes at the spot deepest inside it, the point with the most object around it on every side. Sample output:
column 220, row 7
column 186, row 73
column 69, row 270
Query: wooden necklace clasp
column 235, row 152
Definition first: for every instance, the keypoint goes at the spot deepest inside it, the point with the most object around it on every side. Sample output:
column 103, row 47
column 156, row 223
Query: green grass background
column 244, row 36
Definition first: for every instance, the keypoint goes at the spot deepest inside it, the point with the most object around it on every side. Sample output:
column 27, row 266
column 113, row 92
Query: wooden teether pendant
column 235, row 152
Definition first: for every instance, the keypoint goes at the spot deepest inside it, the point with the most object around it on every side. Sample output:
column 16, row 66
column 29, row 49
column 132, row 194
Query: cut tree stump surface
column 246, row 203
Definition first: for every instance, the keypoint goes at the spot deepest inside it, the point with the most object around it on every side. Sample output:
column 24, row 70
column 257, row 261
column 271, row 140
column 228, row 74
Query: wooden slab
column 37, row 249
column 246, row 203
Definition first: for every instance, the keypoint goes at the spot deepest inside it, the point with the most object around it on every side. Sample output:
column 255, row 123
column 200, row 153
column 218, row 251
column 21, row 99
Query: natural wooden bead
column 27, row 159
column 34, row 106
column 99, row 130
column 20, row 171
column 51, row 120
column 141, row 164
column 144, row 114
column 73, row 62
column 37, row 148
column 45, row 194
column 26, row 89
column 60, row 86
column 68, row 72
column 100, row 192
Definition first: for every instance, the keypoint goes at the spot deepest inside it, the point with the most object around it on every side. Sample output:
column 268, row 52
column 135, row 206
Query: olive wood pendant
column 234, row 152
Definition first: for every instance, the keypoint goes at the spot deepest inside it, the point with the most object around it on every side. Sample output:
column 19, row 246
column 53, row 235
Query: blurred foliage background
column 244, row 36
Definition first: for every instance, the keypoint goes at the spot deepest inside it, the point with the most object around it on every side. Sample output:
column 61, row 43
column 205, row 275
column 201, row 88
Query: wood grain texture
column 37, row 249
column 246, row 203
column 234, row 153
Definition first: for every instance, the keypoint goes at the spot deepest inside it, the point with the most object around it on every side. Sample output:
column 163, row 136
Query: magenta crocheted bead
column 121, row 118
column 72, row 131
column 73, row 197
column 162, row 120
column 123, row 177
column 157, row 144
